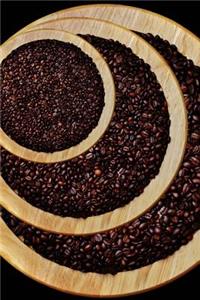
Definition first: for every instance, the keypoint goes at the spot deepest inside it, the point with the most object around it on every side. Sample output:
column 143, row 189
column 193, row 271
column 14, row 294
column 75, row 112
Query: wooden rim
column 67, row 280
column 135, row 18
column 109, row 98
column 169, row 167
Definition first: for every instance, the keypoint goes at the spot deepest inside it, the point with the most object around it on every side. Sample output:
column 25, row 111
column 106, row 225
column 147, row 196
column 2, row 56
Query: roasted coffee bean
column 98, row 238
column 52, row 95
column 117, row 168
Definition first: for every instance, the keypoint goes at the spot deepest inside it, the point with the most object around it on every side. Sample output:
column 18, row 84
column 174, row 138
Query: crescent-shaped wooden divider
column 135, row 18
column 174, row 154
column 67, row 280
column 109, row 98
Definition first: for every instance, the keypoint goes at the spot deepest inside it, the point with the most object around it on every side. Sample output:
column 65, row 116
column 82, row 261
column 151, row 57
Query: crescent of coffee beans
column 52, row 95
column 120, row 165
column 159, row 232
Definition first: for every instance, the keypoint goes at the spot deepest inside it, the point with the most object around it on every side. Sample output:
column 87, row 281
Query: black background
column 16, row 15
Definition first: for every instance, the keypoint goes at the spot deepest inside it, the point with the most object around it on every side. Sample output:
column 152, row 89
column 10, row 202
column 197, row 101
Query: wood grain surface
column 169, row 166
column 65, row 279
column 109, row 98
column 137, row 19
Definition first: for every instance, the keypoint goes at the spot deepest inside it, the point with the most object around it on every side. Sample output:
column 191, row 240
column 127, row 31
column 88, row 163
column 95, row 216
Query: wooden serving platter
column 125, row 283
column 173, row 157
column 109, row 98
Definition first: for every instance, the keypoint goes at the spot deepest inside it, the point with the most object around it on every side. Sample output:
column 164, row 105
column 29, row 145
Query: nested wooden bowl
column 109, row 98
column 125, row 283
column 173, row 157
column 67, row 280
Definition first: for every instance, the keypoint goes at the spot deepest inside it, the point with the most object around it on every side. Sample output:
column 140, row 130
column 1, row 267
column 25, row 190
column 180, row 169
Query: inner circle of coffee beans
column 118, row 168
column 52, row 95
column 159, row 232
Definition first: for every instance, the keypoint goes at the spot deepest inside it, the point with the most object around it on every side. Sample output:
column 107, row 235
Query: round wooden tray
column 133, row 282
column 67, row 280
column 109, row 98
column 175, row 150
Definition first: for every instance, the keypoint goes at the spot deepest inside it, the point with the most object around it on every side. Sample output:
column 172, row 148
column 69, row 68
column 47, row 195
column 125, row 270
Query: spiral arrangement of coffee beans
column 159, row 232
column 120, row 165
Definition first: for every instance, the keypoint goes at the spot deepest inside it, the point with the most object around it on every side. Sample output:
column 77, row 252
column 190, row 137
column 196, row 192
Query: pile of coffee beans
column 52, row 95
column 121, row 164
column 158, row 233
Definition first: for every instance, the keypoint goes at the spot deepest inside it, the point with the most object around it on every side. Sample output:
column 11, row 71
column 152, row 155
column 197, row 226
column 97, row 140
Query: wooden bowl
column 171, row 163
column 126, row 283
column 109, row 98
column 67, row 280
column 134, row 18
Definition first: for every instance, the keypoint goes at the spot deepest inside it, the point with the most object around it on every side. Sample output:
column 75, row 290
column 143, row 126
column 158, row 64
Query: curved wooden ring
column 67, row 280
column 135, row 18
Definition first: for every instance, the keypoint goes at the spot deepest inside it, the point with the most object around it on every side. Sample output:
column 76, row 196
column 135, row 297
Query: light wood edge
column 67, row 280
column 109, row 98
column 170, row 164
column 134, row 18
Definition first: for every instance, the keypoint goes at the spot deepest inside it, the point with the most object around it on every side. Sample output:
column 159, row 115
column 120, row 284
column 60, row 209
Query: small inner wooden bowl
column 109, row 98
column 175, row 150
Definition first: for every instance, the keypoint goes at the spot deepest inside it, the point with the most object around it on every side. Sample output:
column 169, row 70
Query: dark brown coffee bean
column 196, row 180
column 185, row 188
column 88, row 248
column 98, row 238
column 195, row 136
column 195, row 161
